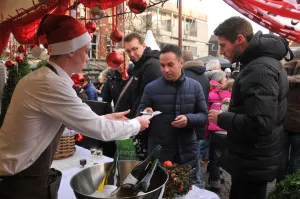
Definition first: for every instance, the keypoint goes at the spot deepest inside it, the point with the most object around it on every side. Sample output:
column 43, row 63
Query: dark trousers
column 216, row 147
column 24, row 188
column 244, row 189
column 290, row 162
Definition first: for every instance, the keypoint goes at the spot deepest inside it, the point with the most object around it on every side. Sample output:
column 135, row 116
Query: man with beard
column 257, row 108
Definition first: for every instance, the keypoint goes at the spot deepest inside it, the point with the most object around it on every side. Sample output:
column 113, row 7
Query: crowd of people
column 246, row 123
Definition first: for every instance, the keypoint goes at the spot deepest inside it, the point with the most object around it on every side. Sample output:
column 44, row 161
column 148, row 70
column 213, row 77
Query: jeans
column 203, row 149
column 290, row 161
column 216, row 146
column 199, row 171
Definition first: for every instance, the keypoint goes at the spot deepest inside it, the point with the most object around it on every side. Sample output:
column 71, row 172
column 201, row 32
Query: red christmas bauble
column 9, row 63
column 21, row 49
column 32, row 45
column 116, row 35
column 138, row 6
column 90, row 26
column 25, row 54
column 19, row 59
column 114, row 59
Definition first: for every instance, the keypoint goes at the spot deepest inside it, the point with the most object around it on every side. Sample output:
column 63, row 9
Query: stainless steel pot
column 86, row 181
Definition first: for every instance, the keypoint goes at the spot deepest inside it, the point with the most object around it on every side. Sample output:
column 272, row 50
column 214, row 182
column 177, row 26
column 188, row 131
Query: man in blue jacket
column 183, row 106
column 89, row 89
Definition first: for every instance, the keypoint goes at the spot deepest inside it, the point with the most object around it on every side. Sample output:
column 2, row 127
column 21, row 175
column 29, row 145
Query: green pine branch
column 9, row 87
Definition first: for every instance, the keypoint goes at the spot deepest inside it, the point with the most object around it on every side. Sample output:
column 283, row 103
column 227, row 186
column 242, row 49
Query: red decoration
column 116, row 36
column 19, row 59
column 280, row 16
column 137, row 6
column 125, row 75
column 32, row 45
column 114, row 59
column 25, row 54
column 90, row 26
column 168, row 164
column 24, row 25
column 21, row 49
column 9, row 64
column 104, row 4
column 79, row 137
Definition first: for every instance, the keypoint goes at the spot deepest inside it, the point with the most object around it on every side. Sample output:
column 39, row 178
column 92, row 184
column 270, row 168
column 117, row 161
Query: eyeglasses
column 132, row 50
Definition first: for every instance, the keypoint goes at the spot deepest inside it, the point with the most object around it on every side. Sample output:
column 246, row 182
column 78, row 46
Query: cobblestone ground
column 224, row 193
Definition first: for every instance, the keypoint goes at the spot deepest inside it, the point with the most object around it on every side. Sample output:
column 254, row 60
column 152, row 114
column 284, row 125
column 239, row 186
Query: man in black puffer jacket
column 182, row 103
column 146, row 69
column 254, row 121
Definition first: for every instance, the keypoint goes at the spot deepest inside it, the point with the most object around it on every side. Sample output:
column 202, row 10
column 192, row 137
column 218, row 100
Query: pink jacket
column 215, row 98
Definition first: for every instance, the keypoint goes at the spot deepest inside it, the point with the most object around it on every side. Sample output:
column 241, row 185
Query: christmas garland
column 181, row 179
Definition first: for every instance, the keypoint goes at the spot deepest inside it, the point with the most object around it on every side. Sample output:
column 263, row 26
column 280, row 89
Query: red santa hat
column 64, row 34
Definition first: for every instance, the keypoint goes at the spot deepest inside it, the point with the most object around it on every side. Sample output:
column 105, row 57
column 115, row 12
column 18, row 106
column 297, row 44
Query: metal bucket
column 85, row 182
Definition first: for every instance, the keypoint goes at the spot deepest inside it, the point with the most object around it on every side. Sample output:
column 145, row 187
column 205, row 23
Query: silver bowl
column 85, row 182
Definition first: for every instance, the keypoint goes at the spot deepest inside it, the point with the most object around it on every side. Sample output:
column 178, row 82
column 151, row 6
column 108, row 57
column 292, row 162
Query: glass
column 93, row 151
column 200, row 184
column 99, row 152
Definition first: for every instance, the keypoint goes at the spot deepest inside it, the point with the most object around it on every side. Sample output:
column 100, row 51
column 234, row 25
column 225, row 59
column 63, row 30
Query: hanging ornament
column 125, row 75
column 25, row 53
column 90, row 26
column 9, row 64
column 114, row 59
column 138, row 6
column 36, row 51
column 116, row 35
column 19, row 59
column 21, row 49
column 32, row 45
column 97, row 12
column 91, row 35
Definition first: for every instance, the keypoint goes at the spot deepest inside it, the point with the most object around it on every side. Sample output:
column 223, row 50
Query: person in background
column 219, row 95
column 213, row 65
column 254, row 121
column 115, row 84
column 99, row 84
column 187, row 55
column 182, row 103
column 195, row 70
column 146, row 69
column 228, row 73
column 43, row 103
column 89, row 88
column 291, row 144
column 78, row 80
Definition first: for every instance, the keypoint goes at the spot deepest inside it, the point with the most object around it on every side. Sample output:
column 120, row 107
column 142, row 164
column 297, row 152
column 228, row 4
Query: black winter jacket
column 113, row 88
column 255, row 117
column 195, row 70
column 182, row 97
column 145, row 71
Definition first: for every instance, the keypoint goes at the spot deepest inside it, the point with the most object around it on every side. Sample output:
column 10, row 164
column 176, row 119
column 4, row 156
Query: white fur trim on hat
column 70, row 45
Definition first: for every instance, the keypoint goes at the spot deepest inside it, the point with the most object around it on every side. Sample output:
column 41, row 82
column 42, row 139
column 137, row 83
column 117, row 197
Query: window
column 93, row 54
column 191, row 27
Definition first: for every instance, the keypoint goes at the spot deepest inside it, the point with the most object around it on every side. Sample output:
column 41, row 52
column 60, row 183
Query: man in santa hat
column 43, row 101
